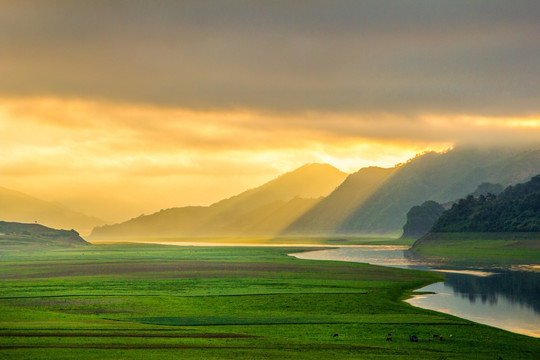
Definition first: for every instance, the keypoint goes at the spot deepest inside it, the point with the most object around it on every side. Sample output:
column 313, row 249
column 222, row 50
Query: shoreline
column 233, row 244
column 417, row 294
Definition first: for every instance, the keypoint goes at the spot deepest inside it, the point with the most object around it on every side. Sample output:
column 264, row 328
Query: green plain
column 481, row 248
column 139, row 301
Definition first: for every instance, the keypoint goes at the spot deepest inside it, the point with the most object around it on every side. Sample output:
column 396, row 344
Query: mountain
column 516, row 209
column 16, row 206
column 270, row 219
column 421, row 218
column 331, row 211
column 488, row 188
column 308, row 181
column 14, row 234
column 441, row 177
column 308, row 201
column 262, row 211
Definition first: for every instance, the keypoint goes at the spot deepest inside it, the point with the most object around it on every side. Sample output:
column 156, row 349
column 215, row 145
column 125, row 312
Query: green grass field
column 482, row 248
column 137, row 301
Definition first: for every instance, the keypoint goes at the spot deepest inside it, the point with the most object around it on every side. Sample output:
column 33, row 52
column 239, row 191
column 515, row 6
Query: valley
column 246, row 180
column 133, row 301
column 217, row 282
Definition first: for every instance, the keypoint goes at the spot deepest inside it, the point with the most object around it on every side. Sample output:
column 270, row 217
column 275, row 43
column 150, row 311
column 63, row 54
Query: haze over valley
column 320, row 200
column 269, row 179
column 143, row 108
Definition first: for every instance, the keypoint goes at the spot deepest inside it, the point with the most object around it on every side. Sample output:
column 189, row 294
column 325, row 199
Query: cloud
column 170, row 103
column 117, row 160
column 149, row 157
column 287, row 56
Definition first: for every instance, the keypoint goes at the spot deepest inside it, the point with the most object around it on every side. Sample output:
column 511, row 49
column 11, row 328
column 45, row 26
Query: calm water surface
column 506, row 299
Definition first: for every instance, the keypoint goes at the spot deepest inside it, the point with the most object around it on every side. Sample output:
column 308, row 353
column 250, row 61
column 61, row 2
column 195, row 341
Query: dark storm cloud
column 480, row 57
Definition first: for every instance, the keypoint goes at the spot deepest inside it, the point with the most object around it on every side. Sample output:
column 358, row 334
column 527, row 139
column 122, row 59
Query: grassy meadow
column 140, row 301
column 481, row 248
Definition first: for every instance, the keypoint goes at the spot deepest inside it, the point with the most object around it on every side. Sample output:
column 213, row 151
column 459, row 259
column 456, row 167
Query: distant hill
column 420, row 218
column 14, row 234
column 441, row 177
column 262, row 211
column 19, row 207
column 331, row 211
column 318, row 199
column 516, row 209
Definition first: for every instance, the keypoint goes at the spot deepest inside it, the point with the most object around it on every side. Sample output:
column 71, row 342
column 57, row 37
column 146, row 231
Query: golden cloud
column 148, row 157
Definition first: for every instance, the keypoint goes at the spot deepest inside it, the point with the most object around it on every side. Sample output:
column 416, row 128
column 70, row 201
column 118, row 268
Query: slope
column 239, row 214
column 516, row 209
column 422, row 217
column 17, row 206
column 331, row 211
column 502, row 229
column 309, row 181
column 270, row 219
column 16, row 235
column 441, row 177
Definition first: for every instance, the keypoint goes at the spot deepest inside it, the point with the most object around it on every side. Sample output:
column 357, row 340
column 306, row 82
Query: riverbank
column 162, row 302
column 301, row 241
column 504, row 249
column 494, row 296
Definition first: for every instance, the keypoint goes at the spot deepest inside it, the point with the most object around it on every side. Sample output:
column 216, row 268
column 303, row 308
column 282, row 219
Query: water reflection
column 509, row 301
column 506, row 299
column 519, row 288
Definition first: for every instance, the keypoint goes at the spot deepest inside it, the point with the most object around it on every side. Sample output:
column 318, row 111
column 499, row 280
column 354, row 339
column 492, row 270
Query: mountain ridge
column 421, row 218
column 332, row 210
column 372, row 201
column 230, row 216
column 516, row 209
column 441, row 177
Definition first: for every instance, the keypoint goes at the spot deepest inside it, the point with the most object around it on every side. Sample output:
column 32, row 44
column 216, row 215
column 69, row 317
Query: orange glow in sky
column 115, row 108
column 119, row 160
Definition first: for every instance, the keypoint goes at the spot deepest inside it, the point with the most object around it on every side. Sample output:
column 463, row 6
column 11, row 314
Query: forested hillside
column 421, row 218
column 317, row 200
column 441, row 177
column 516, row 209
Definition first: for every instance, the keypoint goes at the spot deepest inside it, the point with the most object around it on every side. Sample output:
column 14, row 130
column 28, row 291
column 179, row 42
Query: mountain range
column 318, row 199
column 315, row 200
column 441, row 177
column 508, row 224
column 516, row 209
column 421, row 218
column 265, row 210
column 326, row 216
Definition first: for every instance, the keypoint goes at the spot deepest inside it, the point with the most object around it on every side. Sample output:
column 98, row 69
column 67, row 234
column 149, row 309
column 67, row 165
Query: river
column 505, row 299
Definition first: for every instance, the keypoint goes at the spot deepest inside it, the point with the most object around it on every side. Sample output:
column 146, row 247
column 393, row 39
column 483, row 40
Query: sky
column 117, row 108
